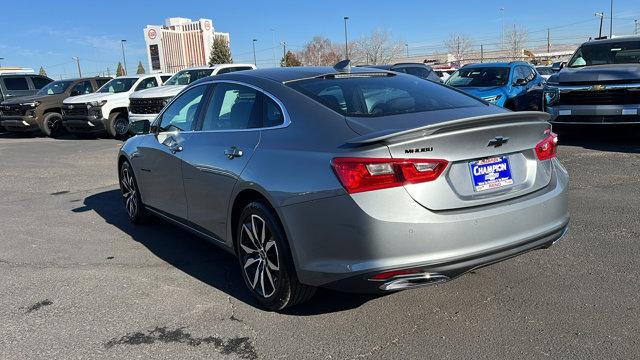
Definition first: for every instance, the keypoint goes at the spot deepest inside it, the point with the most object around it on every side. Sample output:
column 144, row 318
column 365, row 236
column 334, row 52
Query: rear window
column 373, row 96
column 16, row 83
column 39, row 82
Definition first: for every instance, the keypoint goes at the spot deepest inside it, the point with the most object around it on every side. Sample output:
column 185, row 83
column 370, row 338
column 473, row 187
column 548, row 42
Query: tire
column 266, row 264
column 118, row 125
column 51, row 125
column 130, row 194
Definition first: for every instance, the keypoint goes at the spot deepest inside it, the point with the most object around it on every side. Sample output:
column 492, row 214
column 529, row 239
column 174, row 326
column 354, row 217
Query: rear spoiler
column 397, row 134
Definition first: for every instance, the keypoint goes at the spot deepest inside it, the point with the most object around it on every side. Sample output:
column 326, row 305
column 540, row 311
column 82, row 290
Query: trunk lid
column 467, row 140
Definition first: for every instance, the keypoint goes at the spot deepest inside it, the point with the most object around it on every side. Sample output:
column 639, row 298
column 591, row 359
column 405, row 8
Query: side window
column 181, row 114
column 224, row 71
column 39, row 82
column 100, row 82
column 164, row 78
column 81, row 88
column 272, row 114
column 147, row 83
column 16, row 83
column 531, row 74
column 417, row 71
column 233, row 107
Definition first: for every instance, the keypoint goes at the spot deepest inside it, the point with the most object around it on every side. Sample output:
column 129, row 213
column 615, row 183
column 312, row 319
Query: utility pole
column 601, row 14
column 124, row 59
column 253, row 42
column 548, row 41
column 346, row 46
column 407, row 46
column 1, row 58
column 78, row 63
column 284, row 52
column 273, row 46
column 635, row 22
column 611, row 20
column 481, row 53
column 502, row 29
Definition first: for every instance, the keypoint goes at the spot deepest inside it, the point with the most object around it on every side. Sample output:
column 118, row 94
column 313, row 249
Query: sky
column 51, row 33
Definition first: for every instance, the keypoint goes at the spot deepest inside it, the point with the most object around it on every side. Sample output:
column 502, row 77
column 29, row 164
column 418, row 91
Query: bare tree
column 459, row 46
column 377, row 48
column 515, row 39
column 320, row 52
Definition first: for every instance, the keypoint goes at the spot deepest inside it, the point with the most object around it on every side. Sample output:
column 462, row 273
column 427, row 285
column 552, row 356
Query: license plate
column 490, row 173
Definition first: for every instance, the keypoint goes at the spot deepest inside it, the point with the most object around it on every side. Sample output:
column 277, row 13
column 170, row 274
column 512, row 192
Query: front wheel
column 52, row 125
column 118, row 125
column 265, row 259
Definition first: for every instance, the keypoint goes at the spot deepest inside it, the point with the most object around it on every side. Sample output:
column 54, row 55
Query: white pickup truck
column 146, row 104
column 106, row 109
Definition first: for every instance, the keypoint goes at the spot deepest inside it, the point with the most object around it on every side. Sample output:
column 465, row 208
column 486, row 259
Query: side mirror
column 557, row 66
column 140, row 127
column 520, row 82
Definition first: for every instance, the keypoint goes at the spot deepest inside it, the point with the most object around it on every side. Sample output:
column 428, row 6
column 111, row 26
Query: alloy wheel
column 53, row 124
column 260, row 258
column 121, row 126
column 129, row 192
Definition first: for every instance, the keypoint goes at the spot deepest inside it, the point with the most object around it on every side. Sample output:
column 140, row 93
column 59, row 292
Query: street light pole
column 124, row 59
column 611, row 20
column 407, row 47
column 502, row 29
column 273, row 46
column 254, row 52
column 601, row 14
column 346, row 46
column 1, row 58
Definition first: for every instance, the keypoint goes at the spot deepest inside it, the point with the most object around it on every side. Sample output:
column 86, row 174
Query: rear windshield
column 373, row 96
column 624, row 52
column 477, row 76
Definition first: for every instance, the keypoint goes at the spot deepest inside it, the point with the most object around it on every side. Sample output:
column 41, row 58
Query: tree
column 459, row 46
column 515, row 40
column 120, row 70
column 42, row 72
column 377, row 48
column 220, row 52
column 290, row 59
column 140, row 68
column 320, row 52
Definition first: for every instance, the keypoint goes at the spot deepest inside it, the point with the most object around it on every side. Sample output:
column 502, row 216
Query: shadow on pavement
column 613, row 138
column 202, row 260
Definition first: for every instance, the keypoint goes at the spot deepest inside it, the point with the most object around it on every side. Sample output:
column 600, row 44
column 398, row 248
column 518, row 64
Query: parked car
column 311, row 178
column 514, row 85
column 146, row 104
column 420, row 70
column 42, row 112
column 599, row 85
column 14, row 84
column 545, row 71
column 107, row 108
column 444, row 72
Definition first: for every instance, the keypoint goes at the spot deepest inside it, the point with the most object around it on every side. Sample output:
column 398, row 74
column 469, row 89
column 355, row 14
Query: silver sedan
column 361, row 180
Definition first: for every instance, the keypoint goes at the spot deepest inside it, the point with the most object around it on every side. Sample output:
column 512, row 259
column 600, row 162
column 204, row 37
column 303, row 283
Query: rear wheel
column 118, row 125
column 52, row 125
column 265, row 260
column 131, row 195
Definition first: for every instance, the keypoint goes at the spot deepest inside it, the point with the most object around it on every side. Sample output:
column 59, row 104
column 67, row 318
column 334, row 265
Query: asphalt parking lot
column 78, row 281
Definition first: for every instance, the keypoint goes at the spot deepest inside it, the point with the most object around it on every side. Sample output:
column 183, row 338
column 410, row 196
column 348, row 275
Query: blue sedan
column 513, row 85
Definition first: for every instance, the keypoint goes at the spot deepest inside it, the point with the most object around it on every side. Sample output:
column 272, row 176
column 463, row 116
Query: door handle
column 233, row 152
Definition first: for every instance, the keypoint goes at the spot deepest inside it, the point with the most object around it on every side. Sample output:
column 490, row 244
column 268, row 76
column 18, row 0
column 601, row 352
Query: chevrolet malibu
column 358, row 179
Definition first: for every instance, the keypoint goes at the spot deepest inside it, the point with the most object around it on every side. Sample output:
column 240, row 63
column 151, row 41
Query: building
column 179, row 43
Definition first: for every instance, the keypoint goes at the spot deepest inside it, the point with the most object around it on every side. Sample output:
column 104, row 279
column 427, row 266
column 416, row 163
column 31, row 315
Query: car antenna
column 343, row 66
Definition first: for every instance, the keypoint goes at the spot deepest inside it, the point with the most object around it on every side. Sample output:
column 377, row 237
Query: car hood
column 93, row 97
column 158, row 92
column 599, row 73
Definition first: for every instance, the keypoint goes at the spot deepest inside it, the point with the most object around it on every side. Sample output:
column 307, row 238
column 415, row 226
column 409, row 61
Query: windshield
column 186, row 77
column 54, row 88
column 627, row 52
column 118, row 85
column 480, row 77
column 373, row 96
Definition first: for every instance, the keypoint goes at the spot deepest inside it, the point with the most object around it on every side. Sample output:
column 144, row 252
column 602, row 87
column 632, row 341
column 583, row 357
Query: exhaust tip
column 413, row 281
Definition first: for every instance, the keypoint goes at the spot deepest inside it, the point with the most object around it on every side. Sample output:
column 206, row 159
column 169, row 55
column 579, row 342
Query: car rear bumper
column 595, row 114
column 19, row 123
column 84, row 124
column 340, row 242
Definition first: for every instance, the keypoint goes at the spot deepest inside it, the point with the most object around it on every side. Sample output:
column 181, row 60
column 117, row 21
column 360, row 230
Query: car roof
column 285, row 74
column 613, row 40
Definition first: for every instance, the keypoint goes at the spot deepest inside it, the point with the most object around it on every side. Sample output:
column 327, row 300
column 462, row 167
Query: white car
column 146, row 104
column 107, row 108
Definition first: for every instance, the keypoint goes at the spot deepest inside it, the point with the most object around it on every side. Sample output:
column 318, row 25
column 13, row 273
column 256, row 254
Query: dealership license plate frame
column 503, row 178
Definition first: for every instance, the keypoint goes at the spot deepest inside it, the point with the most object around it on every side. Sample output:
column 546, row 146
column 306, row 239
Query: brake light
column 548, row 147
column 366, row 174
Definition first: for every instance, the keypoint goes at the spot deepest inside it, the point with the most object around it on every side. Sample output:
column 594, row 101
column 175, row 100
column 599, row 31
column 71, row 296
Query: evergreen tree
column 120, row 70
column 220, row 52
column 140, row 68
column 42, row 72
column 290, row 59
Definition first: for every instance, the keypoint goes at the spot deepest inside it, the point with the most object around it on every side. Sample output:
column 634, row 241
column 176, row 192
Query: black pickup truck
column 599, row 85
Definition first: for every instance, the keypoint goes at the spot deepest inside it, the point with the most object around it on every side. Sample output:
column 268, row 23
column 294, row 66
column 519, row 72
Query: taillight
column 366, row 174
column 548, row 147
